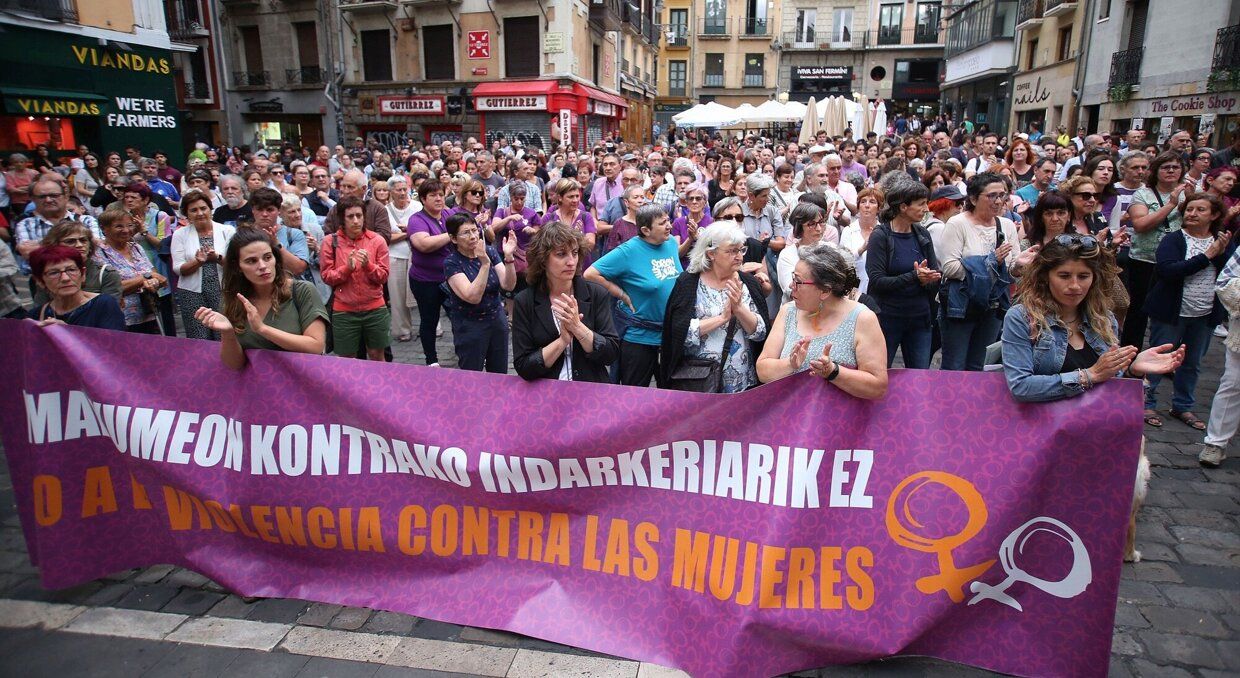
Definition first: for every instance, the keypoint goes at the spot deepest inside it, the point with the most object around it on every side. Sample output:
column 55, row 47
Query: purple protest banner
column 785, row 528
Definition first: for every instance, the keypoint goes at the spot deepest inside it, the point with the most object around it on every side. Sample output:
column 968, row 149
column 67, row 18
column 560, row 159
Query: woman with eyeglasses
column 1182, row 305
column 1155, row 211
column 475, row 275
column 99, row 278
column 977, row 248
column 713, row 315
column 824, row 330
column 1086, row 196
column 1199, row 167
column 904, row 276
column 685, row 229
column 140, row 282
column 60, row 273
column 809, row 227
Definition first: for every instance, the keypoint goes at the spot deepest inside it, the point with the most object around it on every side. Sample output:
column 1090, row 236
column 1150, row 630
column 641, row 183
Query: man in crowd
column 51, row 204
column 235, row 208
column 150, row 174
column 167, row 172
column 491, row 181
column 849, row 164
column 375, row 214
column 1091, row 142
column 324, row 196
column 1043, row 173
column 607, row 186
column 293, row 251
column 985, row 156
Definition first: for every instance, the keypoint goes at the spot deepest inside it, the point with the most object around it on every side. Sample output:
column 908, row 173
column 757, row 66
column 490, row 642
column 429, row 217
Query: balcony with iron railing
column 1225, row 67
column 360, row 6
column 714, row 28
column 817, row 40
column 1126, row 68
column 1028, row 14
column 679, row 36
column 53, row 10
column 712, row 80
column 921, row 36
column 184, row 20
column 251, row 79
column 755, row 80
column 1055, row 8
column 197, row 91
column 306, row 75
column 633, row 16
column 978, row 23
column 756, row 27
column 607, row 15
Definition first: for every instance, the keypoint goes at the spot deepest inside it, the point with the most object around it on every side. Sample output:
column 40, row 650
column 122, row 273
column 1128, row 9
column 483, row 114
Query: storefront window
column 26, row 132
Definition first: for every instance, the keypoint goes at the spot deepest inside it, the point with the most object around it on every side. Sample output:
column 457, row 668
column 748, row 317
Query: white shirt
column 185, row 246
column 399, row 220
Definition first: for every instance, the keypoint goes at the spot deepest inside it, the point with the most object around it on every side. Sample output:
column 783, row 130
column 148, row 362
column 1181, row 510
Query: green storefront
column 66, row 90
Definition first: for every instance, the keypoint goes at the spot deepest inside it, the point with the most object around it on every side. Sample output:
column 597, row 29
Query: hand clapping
column 797, row 357
column 212, row 319
column 925, row 274
column 823, row 366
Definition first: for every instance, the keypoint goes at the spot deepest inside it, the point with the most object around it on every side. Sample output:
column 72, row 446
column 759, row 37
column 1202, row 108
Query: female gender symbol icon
column 950, row 578
column 1070, row 586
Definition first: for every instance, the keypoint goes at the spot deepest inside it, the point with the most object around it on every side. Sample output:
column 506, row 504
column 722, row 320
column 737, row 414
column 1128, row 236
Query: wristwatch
column 147, row 275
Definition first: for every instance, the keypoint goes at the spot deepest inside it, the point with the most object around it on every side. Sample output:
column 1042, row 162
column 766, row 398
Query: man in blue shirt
column 150, row 174
column 1043, row 173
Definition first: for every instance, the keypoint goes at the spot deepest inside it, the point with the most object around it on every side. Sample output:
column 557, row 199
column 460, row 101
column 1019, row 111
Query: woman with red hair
column 60, row 270
column 1019, row 158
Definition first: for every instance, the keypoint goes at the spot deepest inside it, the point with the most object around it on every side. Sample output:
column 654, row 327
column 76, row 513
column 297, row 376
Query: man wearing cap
column 1043, row 173
column 763, row 222
column 816, row 153
column 361, row 156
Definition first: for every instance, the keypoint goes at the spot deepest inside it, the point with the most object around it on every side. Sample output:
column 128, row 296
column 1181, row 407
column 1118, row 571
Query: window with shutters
column 1065, row 43
column 307, row 44
column 714, row 70
column 676, row 71
column 438, row 52
column 522, row 47
column 377, row 55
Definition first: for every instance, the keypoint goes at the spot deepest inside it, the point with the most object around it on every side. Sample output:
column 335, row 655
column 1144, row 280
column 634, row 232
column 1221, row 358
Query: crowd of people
column 702, row 262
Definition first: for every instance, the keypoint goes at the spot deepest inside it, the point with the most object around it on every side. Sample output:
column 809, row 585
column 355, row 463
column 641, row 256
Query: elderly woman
column 641, row 273
column 1085, row 194
column 400, row 208
column 518, row 219
column 826, row 332
column 809, row 227
column 685, row 229
column 561, row 324
column 196, row 259
column 475, row 274
column 139, row 281
column 99, row 278
column 714, row 313
column 1181, row 304
column 856, row 236
column 264, row 307
column 153, row 230
column 904, row 276
column 60, row 271
column 977, row 245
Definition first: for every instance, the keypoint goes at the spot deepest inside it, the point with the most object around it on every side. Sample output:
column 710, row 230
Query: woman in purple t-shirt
column 431, row 245
column 685, row 229
column 570, row 214
column 521, row 220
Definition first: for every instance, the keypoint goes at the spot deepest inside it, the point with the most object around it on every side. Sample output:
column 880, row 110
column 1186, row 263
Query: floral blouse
column 131, row 303
column 738, row 369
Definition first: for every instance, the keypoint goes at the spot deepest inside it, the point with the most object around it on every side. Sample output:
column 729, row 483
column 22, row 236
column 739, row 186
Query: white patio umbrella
column 809, row 126
column 796, row 110
column 880, row 118
column 834, row 115
column 709, row 114
column 772, row 111
column 746, row 116
column 859, row 132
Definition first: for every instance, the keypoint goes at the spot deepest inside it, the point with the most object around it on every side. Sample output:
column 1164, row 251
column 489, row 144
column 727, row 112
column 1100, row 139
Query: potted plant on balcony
column 1119, row 93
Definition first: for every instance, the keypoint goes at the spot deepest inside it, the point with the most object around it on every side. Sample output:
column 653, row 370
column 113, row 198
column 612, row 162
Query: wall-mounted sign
column 822, row 72
column 512, row 103
column 566, row 125
column 604, row 108
column 419, row 105
column 479, row 70
column 269, row 106
column 553, row 43
column 478, row 44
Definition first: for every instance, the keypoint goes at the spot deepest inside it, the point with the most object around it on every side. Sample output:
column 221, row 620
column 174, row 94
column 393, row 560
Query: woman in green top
column 263, row 306
column 1154, row 212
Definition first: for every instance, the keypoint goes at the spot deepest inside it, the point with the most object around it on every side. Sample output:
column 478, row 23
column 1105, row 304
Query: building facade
column 980, row 59
column 279, row 63
column 194, row 26
column 733, row 57
column 571, row 71
column 97, row 73
column 1177, row 75
column 822, row 49
column 1049, row 37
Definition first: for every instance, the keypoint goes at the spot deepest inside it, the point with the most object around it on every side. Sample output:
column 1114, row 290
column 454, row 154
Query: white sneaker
column 439, row 329
column 1211, row 455
column 433, row 365
column 1221, row 331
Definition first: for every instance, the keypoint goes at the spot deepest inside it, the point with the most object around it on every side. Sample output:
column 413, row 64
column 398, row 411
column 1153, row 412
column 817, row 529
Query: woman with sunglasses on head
column 824, row 330
column 685, row 228
column 1155, row 211
column 714, row 312
column 1181, row 304
column 60, row 272
column 1060, row 340
column 99, row 278
column 974, row 243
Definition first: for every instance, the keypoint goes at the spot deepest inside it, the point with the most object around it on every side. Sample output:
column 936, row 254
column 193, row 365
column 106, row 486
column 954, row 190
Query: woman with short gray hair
column 714, row 313
column 823, row 330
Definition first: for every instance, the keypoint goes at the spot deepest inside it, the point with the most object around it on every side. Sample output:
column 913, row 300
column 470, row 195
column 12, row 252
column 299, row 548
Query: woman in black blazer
column 561, row 324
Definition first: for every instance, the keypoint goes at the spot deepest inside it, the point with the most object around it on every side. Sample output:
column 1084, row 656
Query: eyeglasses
column 75, row 241
column 1169, row 168
column 1088, row 244
column 734, row 252
column 62, row 272
column 995, row 197
column 1087, row 195
column 695, row 198
column 738, row 218
column 817, row 223
column 797, row 282
column 47, row 196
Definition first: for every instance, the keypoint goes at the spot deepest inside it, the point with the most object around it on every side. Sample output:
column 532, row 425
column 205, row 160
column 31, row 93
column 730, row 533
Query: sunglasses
column 1087, row 195
column 738, row 218
column 479, row 193
column 1088, row 244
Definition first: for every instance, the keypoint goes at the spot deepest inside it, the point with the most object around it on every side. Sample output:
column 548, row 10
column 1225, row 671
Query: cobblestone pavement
column 1178, row 614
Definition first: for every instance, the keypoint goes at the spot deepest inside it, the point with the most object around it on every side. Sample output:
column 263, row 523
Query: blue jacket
column 1167, row 293
column 985, row 285
column 1033, row 368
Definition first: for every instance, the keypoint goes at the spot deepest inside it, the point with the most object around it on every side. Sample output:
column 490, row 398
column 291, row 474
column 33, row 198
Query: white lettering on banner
column 778, row 475
column 512, row 103
column 138, row 113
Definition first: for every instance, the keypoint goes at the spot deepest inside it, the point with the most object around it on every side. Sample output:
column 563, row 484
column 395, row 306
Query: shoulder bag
column 702, row 375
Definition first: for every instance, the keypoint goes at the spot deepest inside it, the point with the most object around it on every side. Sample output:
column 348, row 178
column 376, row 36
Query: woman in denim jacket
column 1061, row 339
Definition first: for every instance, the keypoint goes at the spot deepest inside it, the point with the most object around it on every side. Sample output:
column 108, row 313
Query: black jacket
column 533, row 328
column 682, row 309
column 878, row 263
column 1163, row 301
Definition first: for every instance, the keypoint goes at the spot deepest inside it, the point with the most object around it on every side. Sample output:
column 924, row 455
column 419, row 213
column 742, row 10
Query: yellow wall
column 115, row 15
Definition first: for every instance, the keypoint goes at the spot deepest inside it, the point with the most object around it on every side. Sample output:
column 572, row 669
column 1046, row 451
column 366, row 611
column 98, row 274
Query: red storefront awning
column 600, row 95
column 519, row 88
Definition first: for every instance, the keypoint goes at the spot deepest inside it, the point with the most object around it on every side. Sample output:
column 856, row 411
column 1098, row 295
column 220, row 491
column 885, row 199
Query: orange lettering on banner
column 689, row 556
column 589, row 560
column 345, row 525
column 369, row 536
column 503, row 526
column 772, row 556
column 220, row 516
column 411, row 517
column 748, row 574
column 140, row 499
column 474, row 532
column 443, row 530
column 289, row 525
column 529, row 535
column 557, row 540
column 180, row 509
column 235, row 512
column 322, row 526
column 98, row 496
column 48, row 500
column 646, row 568
column 830, row 576
column 616, row 558
column 800, row 592
column 723, row 569
column 860, row 596
column 261, row 515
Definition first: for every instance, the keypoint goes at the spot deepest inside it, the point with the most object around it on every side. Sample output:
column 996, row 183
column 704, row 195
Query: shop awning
column 35, row 101
column 519, row 88
column 600, row 95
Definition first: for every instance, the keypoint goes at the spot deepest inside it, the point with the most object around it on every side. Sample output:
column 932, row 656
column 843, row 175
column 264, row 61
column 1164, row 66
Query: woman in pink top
column 354, row 262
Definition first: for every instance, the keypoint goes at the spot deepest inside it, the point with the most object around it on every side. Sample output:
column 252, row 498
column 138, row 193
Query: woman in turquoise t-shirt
column 640, row 273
